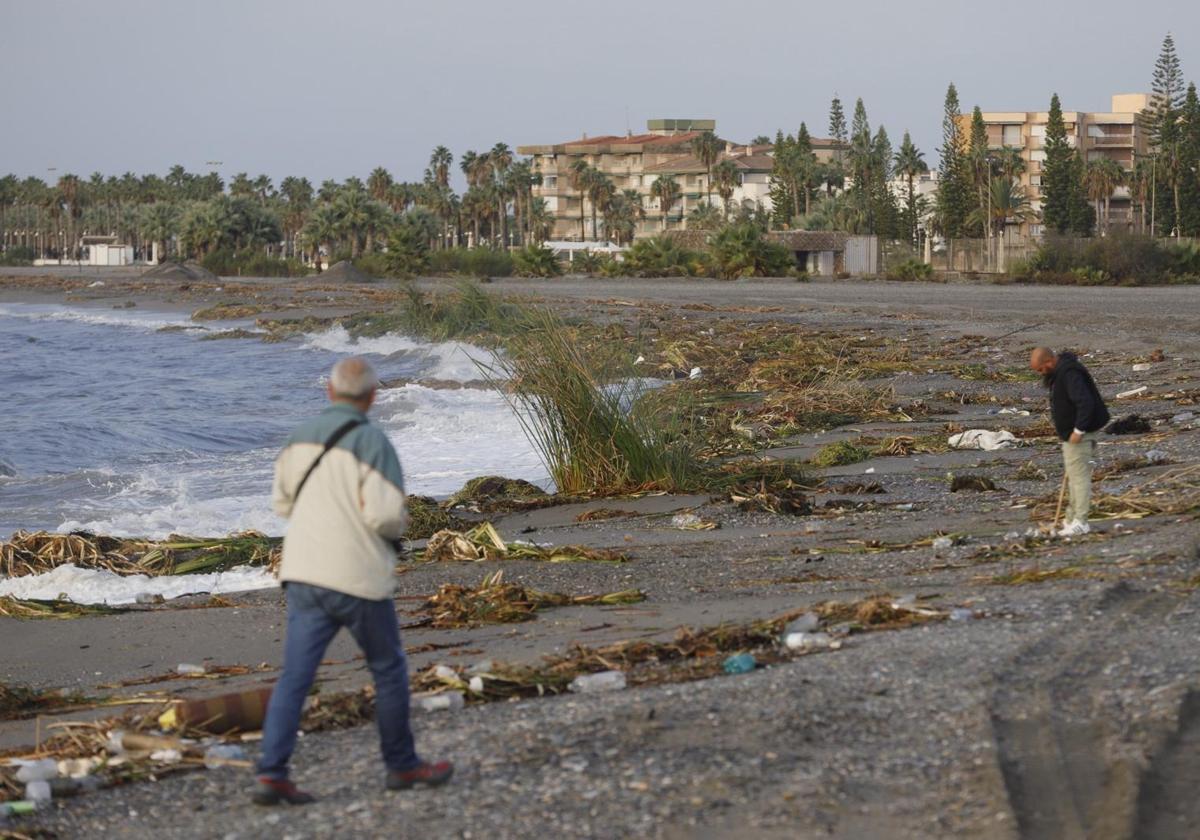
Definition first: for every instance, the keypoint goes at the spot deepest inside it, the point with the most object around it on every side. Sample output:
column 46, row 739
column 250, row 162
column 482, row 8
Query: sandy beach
column 1062, row 704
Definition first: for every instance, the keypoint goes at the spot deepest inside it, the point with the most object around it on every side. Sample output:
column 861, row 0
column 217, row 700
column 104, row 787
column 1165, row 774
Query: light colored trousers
column 1077, row 460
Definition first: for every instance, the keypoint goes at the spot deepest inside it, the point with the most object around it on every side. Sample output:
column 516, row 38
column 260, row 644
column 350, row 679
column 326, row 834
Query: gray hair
column 353, row 378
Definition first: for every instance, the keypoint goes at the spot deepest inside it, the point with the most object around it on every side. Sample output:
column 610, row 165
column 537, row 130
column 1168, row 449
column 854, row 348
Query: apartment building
column 636, row 161
column 1113, row 134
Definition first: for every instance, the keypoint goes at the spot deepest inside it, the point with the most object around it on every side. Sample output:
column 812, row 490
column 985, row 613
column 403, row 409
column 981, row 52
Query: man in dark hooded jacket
column 1079, row 414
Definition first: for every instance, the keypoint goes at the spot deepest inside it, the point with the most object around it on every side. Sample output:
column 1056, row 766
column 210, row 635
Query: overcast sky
column 333, row 89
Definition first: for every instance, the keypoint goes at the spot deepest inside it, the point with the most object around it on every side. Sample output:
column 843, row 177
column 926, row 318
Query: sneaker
column 1074, row 529
column 430, row 775
column 274, row 791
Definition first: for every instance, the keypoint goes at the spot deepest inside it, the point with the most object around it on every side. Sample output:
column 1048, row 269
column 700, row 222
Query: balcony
column 1125, row 140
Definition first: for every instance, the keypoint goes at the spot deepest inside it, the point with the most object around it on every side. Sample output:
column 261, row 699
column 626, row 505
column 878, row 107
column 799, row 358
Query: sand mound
column 345, row 271
column 188, row 271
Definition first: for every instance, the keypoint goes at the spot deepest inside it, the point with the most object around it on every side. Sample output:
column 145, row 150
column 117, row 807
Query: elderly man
column 1079, row 413
column 339, row 482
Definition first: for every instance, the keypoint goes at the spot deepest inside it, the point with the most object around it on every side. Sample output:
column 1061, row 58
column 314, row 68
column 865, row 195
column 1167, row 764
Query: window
column 1012, row 136
column 550, row 181
column 1035, row 180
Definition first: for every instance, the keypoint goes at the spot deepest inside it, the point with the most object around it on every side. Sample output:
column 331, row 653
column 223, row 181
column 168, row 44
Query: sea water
column 125, row 422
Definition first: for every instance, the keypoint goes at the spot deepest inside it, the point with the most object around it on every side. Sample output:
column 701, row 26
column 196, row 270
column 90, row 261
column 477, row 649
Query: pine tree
column 837, row 122
column 837, row 133
column 806, row 168
column 1161, row 124
column 783, row 207
column 1189, row 127
column 884, row 213
column 1057, row 173
column 953, row 200
column 909, row 165
column 980, row 164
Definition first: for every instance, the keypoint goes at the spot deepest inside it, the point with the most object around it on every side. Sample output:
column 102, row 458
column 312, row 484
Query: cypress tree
column 1058, row 173
column 952, row 196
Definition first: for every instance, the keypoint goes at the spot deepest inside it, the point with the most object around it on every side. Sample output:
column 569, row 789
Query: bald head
column 1043, row 360
column 353, row 380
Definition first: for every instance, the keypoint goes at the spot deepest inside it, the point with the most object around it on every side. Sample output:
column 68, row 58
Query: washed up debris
column 1029, row 471
column 242, row 711
column 426, row 517
column 1172, row 493
column 1134, row 424
column 984, row 439
column 961, row 614
column 841, row 453
column 808, row 641
column 445, row 701
column 1133, row 392
column 18, row 702
column 32, row 553
column 1157, row 356
column 1142, row 367
column 602, row 681
column 978, row 483
column 497, row 602
column 493, row 493
column 61, row 608
column 1183, row 417
column 692, row 522
column 485, row 543
column 1020, row 412
column 739, row 663
column 942, row 543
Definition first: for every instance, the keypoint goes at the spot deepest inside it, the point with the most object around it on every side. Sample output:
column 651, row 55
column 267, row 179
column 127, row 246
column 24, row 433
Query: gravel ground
column 1068, row 709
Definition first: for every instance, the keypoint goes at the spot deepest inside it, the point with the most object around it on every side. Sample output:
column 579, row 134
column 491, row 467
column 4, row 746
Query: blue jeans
column 315, row 615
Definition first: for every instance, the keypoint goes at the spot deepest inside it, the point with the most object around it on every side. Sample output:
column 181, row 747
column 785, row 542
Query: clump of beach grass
column 840, row 454
column 466, row 312
column 586, row 417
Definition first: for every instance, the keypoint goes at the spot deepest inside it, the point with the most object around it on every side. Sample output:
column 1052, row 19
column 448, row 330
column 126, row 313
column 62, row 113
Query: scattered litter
column 220, row 755
column 1184, row 417
column 444, row 701
column 187, row 670
column 497, row 602
column 961, row 614
column 1141, row 366
column 484, row 543
column 1133, row 392
column 95, row 284
column 739, row 663
column 603, row 681
column 907, row 506
column 869, row 471
column 41, row 770
column 167, row 756
column 806, row 623
column 692, row 522
column 984, row 439
column 808, row 641
column 942, row 543
column 978, row 483
column 1134, row 424
column 475, row 684
column 695, row 373
column 38, row 791
column 1020, row 412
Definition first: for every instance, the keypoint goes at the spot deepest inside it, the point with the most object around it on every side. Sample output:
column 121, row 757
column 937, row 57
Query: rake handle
column 1062, row 493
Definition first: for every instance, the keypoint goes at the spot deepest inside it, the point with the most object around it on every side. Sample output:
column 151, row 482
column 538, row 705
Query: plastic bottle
column 603, row 681
column 807, row 641
column 38, row 791
column 40, row 770
column 806, row 623
column 443, row 701
column 218, row 754
column 188, row 670
column 739, row 663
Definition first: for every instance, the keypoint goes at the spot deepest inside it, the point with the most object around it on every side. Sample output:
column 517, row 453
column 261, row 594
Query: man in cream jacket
column 338, row 482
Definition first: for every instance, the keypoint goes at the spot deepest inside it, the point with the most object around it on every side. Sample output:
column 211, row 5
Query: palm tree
column 501, row 158
column 725, row 177
column 668, row 193
column 439, row 166
column 540, row 221
column 160, row 222
column 1140, row 185
column 600, row 190
column 354, row 217
column 707, row 148
column 241, row 186
column 910, row 165
column 69, row 194
column 638, row 210
column 379, row 183
column 581, row 176
column 1101, row 178
column 1007, row 204
column 322, row 228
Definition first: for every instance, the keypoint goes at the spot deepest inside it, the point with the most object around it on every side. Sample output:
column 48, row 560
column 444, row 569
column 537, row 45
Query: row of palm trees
column 193, row 214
